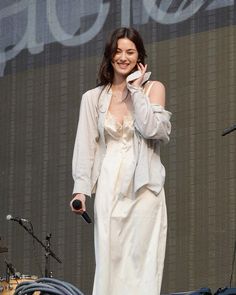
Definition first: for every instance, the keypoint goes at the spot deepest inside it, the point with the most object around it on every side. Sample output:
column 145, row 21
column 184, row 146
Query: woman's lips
column 123, row 66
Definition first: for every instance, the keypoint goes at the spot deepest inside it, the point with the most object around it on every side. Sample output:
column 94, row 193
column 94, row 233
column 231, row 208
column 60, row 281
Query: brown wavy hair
column 106, row 72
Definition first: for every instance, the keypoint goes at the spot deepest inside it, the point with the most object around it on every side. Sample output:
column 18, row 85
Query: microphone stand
column 225, row 132
column 10, row 270
column 229, row 130
column 48, row 274
column 7, row 274
column 47, row 248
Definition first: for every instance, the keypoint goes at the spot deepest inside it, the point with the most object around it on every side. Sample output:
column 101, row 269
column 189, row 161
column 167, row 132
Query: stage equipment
column 47, row 246
column 48, row 286
column 8, row 285
column 229, row 290
column 229, row 130
column 10, row 270
column 18, row 219
column 226, row 291
column 202, row 291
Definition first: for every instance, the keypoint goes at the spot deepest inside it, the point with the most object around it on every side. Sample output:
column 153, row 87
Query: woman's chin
column 125, row 73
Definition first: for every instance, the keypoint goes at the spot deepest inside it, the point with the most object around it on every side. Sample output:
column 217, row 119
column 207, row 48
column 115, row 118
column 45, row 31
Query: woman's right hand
column 142, row 69
column 82, row 199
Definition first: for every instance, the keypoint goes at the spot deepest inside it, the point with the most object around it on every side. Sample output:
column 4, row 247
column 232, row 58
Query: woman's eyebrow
column 129, row 49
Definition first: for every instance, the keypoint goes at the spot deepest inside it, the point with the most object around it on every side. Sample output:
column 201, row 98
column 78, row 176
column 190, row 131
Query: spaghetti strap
column 147, row 91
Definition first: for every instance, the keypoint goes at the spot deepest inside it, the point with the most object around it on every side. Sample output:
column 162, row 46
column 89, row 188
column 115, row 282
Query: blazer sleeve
column 85, row 145
column 152, row 121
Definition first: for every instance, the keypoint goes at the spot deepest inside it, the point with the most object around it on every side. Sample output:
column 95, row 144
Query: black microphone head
column 76, row 204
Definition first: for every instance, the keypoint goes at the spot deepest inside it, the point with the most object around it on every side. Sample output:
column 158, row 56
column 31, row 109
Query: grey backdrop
column 50, row 52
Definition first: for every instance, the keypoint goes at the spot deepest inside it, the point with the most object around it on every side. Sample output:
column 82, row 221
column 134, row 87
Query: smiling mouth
column 123, row 65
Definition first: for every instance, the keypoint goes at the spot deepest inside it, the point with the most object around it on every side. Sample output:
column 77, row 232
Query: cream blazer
column 152, row 126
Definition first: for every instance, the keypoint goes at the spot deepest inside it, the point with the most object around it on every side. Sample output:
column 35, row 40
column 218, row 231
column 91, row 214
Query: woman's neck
column 119, row 84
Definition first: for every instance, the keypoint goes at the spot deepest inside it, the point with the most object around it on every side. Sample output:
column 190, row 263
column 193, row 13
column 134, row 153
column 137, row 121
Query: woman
column 116, row 156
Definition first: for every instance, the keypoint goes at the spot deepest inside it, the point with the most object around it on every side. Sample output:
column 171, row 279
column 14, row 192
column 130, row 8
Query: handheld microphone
column 76, row 204
column 18, row 219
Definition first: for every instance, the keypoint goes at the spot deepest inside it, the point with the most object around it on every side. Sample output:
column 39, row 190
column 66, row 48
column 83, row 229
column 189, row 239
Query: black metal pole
column 47, row 247
column 229, row 130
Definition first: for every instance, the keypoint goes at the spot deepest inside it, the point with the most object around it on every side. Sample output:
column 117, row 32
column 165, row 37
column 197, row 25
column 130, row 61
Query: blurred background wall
column 50, row 51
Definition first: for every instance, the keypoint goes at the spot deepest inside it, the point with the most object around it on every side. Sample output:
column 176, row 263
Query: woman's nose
column 123, row 56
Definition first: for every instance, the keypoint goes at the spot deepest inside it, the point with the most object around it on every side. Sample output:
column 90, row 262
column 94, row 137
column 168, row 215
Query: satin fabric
column 130, row 232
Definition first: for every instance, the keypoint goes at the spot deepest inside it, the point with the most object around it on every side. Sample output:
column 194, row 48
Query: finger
column 143, row 68
column 138, row 66
column 83, row 207
column 80, row 211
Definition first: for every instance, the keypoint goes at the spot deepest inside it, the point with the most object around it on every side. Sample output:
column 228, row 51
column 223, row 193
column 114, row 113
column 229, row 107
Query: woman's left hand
column 142, row 69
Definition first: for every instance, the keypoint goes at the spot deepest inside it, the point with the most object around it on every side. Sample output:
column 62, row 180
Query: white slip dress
column 130, row 231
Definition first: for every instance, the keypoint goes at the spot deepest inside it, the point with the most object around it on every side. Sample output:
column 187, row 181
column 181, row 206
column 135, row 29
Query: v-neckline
column 129, row 115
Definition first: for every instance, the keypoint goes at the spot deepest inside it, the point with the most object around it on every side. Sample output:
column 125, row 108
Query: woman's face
column 125, row 58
